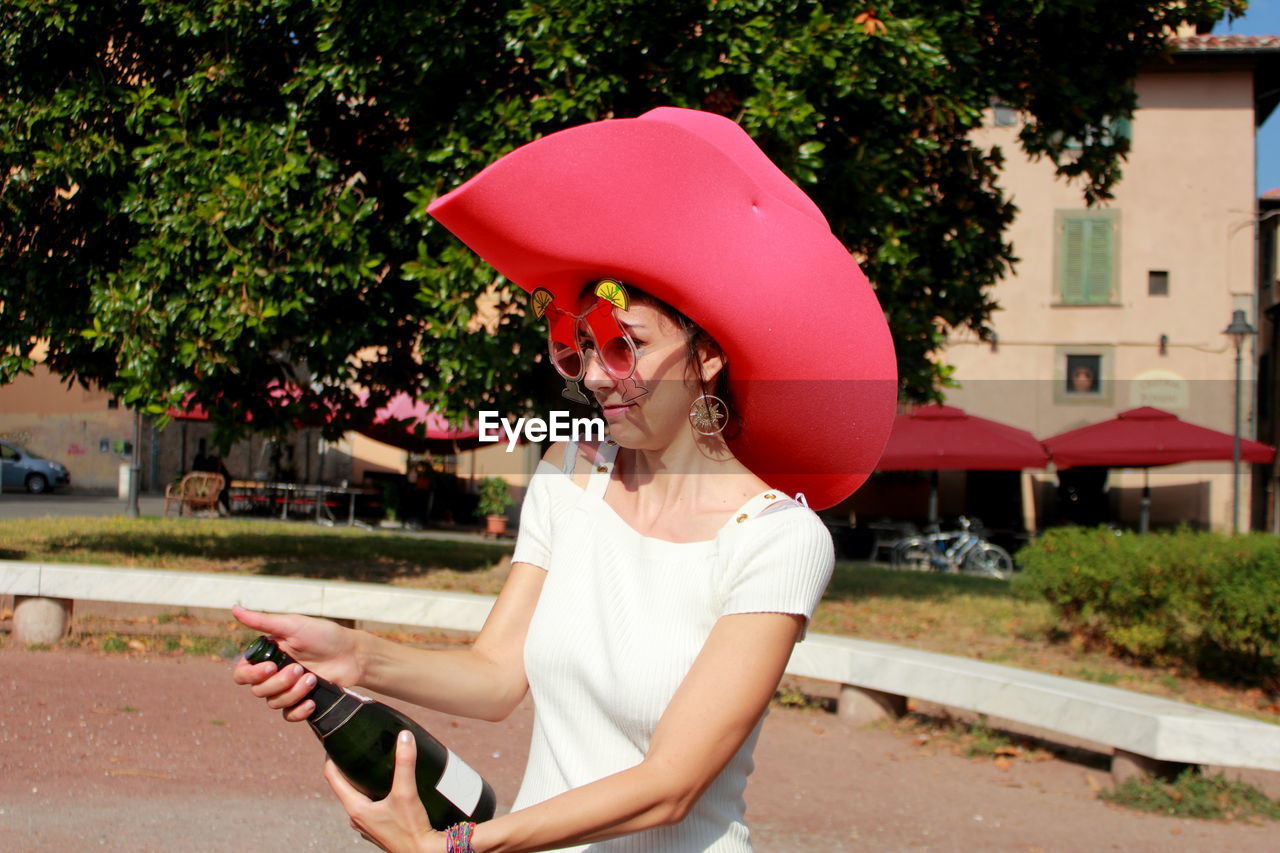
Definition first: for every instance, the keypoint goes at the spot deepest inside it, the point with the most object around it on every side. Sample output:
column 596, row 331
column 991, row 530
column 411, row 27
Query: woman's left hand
column 398, row 823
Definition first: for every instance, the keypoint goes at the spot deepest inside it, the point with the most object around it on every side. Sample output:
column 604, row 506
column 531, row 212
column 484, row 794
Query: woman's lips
column 613, row 412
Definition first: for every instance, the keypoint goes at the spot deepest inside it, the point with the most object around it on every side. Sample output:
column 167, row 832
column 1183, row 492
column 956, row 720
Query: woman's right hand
column 319, row 645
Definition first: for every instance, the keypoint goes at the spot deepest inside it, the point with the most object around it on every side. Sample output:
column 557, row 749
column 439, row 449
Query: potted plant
column 494, row 500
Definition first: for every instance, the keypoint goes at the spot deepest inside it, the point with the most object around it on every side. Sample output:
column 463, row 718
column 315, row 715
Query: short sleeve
column 533, row 542
column 782, row 564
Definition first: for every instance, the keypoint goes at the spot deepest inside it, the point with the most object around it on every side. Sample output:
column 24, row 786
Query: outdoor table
column 253, row 492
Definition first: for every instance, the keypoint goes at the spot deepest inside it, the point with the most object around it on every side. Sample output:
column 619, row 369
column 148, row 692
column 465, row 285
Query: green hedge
column 1204, row 600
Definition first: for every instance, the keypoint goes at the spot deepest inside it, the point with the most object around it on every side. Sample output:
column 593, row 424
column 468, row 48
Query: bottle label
column 460, row 785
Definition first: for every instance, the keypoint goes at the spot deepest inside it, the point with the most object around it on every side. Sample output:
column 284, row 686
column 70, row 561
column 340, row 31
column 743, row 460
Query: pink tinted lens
column 618, row 357
column 567, row 360
column 600, row 324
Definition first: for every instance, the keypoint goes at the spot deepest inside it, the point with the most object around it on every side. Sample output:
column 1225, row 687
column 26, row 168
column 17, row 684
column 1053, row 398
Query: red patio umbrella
column 1146, row 437
column 945, row 438
column 403, row 422
column 408, row 424
column 190, row 410
column 280, row 395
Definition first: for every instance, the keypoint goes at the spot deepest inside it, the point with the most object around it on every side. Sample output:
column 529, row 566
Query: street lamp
column 1237, row 331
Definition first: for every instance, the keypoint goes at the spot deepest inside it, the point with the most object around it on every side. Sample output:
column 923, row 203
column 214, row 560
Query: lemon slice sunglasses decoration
column 599, row 328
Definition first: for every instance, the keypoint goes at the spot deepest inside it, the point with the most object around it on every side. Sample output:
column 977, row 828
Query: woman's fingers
column 294, row 696
column 346, row 793
column 283, row 689
column 252, row 673
column 309, row 640
column 397, row 822
column 298, row 713
column 289, row 691
column 286, row 688
column 275, row 624
column 404, row 783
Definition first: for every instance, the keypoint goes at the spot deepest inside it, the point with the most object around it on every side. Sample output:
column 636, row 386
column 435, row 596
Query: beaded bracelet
column 457, row 838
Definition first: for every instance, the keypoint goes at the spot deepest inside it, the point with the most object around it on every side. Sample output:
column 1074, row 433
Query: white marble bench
column 64, row 582
column 1147, row 733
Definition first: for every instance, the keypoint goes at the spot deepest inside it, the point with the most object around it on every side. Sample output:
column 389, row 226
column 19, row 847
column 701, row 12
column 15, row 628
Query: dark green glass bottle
column 359, row 734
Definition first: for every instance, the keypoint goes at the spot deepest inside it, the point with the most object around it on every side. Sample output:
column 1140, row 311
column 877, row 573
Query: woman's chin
column 625, row 432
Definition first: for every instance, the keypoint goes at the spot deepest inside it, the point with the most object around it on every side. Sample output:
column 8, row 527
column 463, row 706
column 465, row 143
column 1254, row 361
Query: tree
column 208, row 200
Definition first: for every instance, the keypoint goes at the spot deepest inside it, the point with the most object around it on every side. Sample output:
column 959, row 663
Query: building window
column 1084, row 374
column 1158, row 283
column 1003, row 115
column 1110, row 132
column 1088, row 256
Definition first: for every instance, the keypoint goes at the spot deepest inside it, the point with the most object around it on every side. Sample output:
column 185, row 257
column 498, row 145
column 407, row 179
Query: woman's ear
column 711, row 361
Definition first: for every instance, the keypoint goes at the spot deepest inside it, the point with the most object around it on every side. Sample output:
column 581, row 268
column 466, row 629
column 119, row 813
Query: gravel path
column 152, row 753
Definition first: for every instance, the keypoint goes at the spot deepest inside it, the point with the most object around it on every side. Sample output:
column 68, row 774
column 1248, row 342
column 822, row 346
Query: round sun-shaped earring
column 707, row 415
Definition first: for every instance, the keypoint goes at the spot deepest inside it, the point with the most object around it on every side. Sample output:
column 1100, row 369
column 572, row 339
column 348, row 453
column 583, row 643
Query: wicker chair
column 197, row 490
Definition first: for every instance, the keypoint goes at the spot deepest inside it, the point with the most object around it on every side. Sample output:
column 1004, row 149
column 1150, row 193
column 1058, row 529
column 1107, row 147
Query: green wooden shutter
column 1084, row 277
column 1098, row 280
column 1073, row 261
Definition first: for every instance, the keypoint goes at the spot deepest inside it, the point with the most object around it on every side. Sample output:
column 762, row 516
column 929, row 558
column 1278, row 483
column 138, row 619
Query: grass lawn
column 969, row 616
column 274, row 548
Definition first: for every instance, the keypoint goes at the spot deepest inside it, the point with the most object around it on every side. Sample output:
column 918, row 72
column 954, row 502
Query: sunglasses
column 572, row 337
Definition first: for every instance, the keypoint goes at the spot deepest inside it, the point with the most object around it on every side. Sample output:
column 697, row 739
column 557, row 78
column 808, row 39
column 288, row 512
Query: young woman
column 660, row 579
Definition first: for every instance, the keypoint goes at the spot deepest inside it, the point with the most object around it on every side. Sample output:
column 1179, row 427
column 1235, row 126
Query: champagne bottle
column 359, row 734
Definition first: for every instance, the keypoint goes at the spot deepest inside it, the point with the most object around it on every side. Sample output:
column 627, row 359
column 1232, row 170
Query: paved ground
column 152, row 753
column 22, row 505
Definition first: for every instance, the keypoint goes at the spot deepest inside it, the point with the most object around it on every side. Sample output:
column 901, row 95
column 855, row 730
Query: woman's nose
column 595, row 377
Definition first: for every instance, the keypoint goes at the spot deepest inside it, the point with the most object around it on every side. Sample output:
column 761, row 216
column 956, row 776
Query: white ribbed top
column 619, row 622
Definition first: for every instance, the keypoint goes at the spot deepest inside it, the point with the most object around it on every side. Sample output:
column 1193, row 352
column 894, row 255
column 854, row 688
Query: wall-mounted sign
column 1162, row 389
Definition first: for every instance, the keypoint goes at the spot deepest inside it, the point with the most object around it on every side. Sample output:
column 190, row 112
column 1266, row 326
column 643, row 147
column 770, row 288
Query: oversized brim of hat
column 683, row 204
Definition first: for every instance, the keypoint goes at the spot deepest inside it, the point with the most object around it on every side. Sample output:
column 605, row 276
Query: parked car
column 24, row 470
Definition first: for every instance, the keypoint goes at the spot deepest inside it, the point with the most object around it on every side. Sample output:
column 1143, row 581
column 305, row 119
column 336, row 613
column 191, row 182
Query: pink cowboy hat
column 683, row 205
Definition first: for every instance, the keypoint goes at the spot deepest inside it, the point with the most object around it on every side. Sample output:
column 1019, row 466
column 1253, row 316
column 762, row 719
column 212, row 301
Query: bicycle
column 953, row 551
